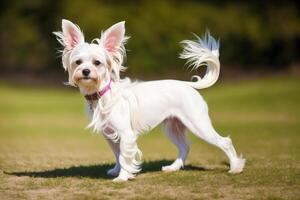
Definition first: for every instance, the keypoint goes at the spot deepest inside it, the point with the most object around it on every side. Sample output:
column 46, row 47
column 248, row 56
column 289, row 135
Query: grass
column 45, row 152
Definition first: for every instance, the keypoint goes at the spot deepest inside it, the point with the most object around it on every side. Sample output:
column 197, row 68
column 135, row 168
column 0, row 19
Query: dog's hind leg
column 175, row 131
column 199, row 123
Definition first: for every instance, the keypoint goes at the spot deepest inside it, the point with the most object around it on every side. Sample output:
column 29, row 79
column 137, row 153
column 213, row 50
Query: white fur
column 130, row 108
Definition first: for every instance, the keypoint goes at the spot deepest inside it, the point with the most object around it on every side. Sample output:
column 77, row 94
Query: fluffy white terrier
column 122, row 110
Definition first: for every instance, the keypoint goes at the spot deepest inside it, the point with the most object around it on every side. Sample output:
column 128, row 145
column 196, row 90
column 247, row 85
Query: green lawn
column 46, row 152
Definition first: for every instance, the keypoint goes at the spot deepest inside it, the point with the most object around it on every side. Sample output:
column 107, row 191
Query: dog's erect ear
column 113, row 38
column 70, row 36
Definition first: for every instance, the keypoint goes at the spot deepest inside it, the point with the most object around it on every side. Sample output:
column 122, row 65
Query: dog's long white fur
column 131, row 108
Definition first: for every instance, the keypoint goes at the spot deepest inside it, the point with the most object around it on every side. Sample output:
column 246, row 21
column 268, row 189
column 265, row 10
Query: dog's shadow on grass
column 96, row 171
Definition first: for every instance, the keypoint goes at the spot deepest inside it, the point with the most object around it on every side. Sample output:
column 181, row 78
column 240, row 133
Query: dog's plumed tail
column 202, row 52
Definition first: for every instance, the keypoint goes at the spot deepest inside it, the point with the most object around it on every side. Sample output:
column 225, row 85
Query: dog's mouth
column 86, row 78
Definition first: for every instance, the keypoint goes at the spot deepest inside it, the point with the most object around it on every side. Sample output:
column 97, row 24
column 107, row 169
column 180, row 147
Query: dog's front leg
column 115, row 146
column 130, row 156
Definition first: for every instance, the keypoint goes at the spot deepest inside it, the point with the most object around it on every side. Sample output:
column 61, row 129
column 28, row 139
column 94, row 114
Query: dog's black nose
column 86, row 72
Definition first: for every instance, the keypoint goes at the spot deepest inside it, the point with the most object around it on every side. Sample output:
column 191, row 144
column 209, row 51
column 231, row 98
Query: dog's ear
column 113, row 38
column 70, row 36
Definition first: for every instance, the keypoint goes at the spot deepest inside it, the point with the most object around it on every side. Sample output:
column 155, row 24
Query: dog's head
column 91, row 64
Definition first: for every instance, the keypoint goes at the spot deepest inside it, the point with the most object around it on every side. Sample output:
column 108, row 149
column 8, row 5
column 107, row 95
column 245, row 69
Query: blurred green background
column 254, row 35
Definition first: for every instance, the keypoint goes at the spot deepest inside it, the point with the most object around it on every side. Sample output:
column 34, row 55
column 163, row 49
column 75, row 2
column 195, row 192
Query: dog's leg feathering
column 129, row 158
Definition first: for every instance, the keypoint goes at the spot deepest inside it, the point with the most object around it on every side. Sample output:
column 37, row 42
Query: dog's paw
column 120, row 179
column 169, row 168
column 124, row 176
column 237, row 166
column 175, row 166
column 114, row 171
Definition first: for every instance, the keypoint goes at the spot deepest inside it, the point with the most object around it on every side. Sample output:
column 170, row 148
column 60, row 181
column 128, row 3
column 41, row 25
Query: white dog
column 122, row 110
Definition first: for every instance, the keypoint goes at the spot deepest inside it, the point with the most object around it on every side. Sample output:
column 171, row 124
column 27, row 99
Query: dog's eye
column 97, row 62
column 78, row 62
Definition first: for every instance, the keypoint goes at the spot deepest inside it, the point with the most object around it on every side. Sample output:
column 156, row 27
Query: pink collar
column 99, row 94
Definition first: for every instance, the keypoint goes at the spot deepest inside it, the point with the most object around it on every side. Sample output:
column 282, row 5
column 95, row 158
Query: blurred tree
column 264, row 33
